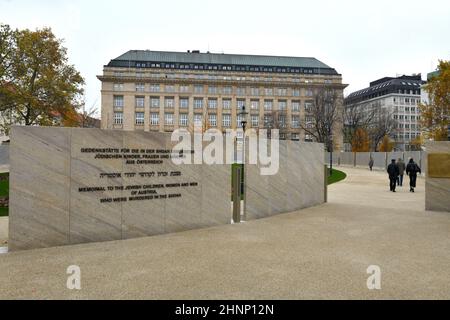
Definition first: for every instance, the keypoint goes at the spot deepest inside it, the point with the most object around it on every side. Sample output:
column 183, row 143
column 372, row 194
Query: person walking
column 371, row 163
column 401, row 169
column 393, row 172
column 412, row 169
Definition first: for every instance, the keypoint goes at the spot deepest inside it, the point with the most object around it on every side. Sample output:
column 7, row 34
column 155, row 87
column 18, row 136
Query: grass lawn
column 336, row 177
column 3, row 212
column 4, row 192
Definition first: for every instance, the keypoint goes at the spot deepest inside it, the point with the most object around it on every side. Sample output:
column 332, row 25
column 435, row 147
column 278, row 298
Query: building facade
column 164, row 91
column 400, row 97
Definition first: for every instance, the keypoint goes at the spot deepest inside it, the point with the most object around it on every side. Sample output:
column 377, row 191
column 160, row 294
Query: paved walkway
column 318, row 253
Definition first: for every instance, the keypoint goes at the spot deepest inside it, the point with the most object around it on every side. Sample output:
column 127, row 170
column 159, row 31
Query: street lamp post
column 330, row 146
column 243, row 115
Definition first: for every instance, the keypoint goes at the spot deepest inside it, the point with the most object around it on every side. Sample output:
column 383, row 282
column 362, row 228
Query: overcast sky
column 362, row 40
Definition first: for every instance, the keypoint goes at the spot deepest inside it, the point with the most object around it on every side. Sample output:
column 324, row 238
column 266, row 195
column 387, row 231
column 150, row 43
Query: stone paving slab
column 317, row 253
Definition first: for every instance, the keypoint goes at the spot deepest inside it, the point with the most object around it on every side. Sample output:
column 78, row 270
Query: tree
column 357, row 120
column 277, row 119
column 383, row 125
column 435, row 115
column 387, row 145
column 360, row 142
column 39, row 86
column 326, row 114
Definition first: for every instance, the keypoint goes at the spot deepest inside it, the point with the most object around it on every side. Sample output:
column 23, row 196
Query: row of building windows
column 406, row 101
column 199, row 103
column 169, row 120
column 407, row 118
column 408, row 126
column 201, row 89
column 227, row 68
column 407, row 136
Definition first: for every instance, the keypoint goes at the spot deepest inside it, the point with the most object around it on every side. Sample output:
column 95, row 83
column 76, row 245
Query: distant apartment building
column 163, row 91
column 398, row 96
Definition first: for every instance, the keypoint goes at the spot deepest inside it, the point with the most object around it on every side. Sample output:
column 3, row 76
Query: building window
column 170, row 89
column 140, row 87
column 212, row 104
column 282, row 105
column 198, row 103
column 169, row 103
column 168, row 119
column 282, row 120
column 184, row 120
column 268, row 121
column 227, row 90
column 308, row 107
column 268, row 91
column 240, row 104
column 255, row 91
column 309, row 138
column 212, row 90
column 198, row 89
column 255, row 121
column 198, row 120
column 118, row 86
column 184, row 103
column 268, row 105
column 239, row 120
column 213, row 120
column 140, row 102
column 296, row 92
column 254, row 105
column 295, row 137
column 140, row 118
column 184, row 89
column 226, row 119
column 226, row 104
column 155, row 88
column 295, row 106
column 295, row 122
column 118, row 102
column 240, row 91
column 282, row 91
column 154, row 102
column 154, row 119
column 118, row 118
column 309, row 93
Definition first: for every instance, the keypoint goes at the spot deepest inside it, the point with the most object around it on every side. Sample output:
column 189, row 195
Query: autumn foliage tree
column 387, row 145
column 360, row 142
column 435, row 115
column 38, row 85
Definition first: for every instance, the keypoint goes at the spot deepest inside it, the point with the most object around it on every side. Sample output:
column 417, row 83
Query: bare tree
column 383, row 125
column 326, row 115
column 88, row 117
column 355, row 118
column 276, row 119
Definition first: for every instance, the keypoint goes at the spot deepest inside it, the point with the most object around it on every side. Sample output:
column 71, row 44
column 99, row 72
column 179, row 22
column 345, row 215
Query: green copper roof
column 219, row 59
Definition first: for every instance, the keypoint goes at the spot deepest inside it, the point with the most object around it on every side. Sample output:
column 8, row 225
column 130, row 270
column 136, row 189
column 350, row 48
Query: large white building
column 400, row 97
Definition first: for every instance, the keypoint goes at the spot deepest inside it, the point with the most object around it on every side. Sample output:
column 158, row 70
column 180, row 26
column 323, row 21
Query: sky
column 363, row 40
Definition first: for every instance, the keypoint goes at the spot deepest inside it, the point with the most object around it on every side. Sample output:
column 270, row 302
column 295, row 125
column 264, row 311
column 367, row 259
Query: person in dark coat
column 371, row 163
column 401, row 168
column 412, row 169
column 393, row 172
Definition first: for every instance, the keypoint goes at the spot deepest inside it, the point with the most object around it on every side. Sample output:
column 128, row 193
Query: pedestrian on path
column 401, row 168
column 393, row 172
column 412, row 170
column 371, row 163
